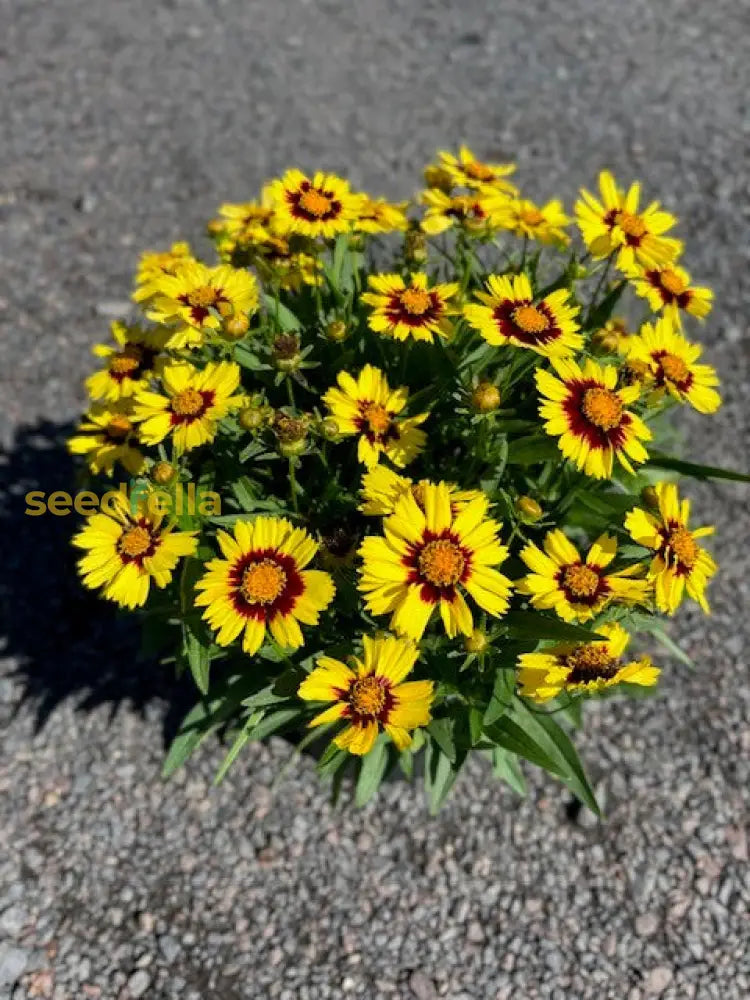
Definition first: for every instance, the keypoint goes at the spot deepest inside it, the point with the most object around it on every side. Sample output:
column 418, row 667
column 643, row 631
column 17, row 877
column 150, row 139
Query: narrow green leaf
column 273, row 722
column 502, row 696
column 440, row 774
column 596, row 319
column 441, row 730
column 371, row 772
column 506, row 767
column 286, row 318
column 535, row 625
column 197, row 650
column 532, row 450
column 694, row 470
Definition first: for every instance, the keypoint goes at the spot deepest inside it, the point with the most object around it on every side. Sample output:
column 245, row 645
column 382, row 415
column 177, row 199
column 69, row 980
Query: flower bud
column 337, row 331
column 285, row 352
column 438, row 177
column 163, row 473
column 612, row 337
column 650, row 497
column 252, row 418
column 291, row 433
column 235, row 327
column 477, row 642
column 329, row 428
column 528, row 509
column 485, row 397
column 214, row 227
column 415, row 246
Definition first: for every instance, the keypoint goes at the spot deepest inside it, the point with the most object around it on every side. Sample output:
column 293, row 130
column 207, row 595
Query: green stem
column 598, row 288
column 293, row 486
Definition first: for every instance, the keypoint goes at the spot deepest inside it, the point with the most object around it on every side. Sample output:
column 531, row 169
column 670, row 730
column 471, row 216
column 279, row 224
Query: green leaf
column 273, row 722
column 374, row 765
column 241, row 739
column 506, row 767
column 509, row 735
column 535, row 625
column 502, row 696
column 606, row 307
column 245, row 357
column 194, row 727
column 286, row 319
column 198, row 653
column 533, row 449
column 694, row 470
column 645, row 623
column 439, row 775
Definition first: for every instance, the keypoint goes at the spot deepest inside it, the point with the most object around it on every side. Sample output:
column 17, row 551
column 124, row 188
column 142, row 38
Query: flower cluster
column 446, row 507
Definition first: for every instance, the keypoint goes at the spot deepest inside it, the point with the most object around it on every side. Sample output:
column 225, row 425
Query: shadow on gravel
column 63, row 641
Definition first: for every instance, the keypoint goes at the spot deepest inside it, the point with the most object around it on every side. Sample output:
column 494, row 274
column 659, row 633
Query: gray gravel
column 124, row 125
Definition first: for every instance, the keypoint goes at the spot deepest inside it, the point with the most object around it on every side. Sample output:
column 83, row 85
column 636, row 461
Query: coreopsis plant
column 435, row 506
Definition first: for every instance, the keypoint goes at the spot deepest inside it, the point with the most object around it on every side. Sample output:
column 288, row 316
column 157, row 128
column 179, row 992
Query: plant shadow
column 61, row 640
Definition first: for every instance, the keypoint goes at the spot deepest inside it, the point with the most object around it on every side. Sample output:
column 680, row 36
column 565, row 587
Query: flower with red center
column 241, row 226
column 509, row 315
column 371, row 696
column 106, row 436
column 191, row 404
column 368, row 407
column 417, row 310
column 672, row 364
column 668, row 288
column 615, row 224
column 588, row 415
column 322, row 205
column 679, row 563
column 468, row 211
column 197, row 300
column 126, row 549
column 382, row 488
column 130, row 362
column 152, row 267
column 466, row 170
column 577, row 589
column 428, row 556
column 583, row 668
column 261, row 582
column 376, row 215
column 545, row 224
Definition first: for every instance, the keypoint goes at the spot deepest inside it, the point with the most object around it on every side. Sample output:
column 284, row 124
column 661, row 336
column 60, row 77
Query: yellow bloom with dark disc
column 543, row 223
column 668, row 288
column 417, row 310
column 509, row 315
column 465, row 170
column 679, row 563
column 615, row 224
column 130, row 362
column 583, row 668
column 126, row 549
column 107, row 436
column 197, row 300
column 587, row 413
column 322, row 205
column 428, row 557
column 672, row 362
column 577, row 589
column 376, row 215
column 191, row 404
column 444, row 211
column 372, row 695
column 382, row 488
column 242, row 225
column 153, row 266
column 368, row 407
column 261, row 583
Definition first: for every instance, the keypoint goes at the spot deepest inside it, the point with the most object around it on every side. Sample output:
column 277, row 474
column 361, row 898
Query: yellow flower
column 371, row 696
column 191, row 405
column 671, row 361
column 152, row 267
column 428, row 556
column 198, row 299
column 126, row 550
column 679, row 563
column 260, row 582
column 444, row 211
column 376, row 215
column 574, row 588
column 367, row 406
column 466, row 170
column 130, row 364
column 240, row 226
column 613, row 337
column 584, row 668
column 508, row 315
column 415, row 310
column 614, row 223
column 382, row 488
column 545, row 223
column 668, row 287
column 277, row 263
column 322, row 205
column 587, row 413
column 105, row 436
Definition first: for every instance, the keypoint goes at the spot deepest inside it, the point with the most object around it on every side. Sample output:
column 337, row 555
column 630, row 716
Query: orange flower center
column 315, row 203
column 203, row 297
column 530, row 319
column 442, row 562
column 377, row 417
column 119, row 427
column 581, row 581
column 674, row 368
column 532, row 216
column 478, row 171
column 682, row 543
column 415, row 301
column 631, row 225
column 263, row 582
column 672, row 282
column 367, row 696
column 134, row 542
column 590, row 663
column 126, row 361
column 602, row 407
column 187, row 403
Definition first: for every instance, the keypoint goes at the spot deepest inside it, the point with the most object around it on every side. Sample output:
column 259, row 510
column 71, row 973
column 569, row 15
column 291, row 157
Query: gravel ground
column 124, row 125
